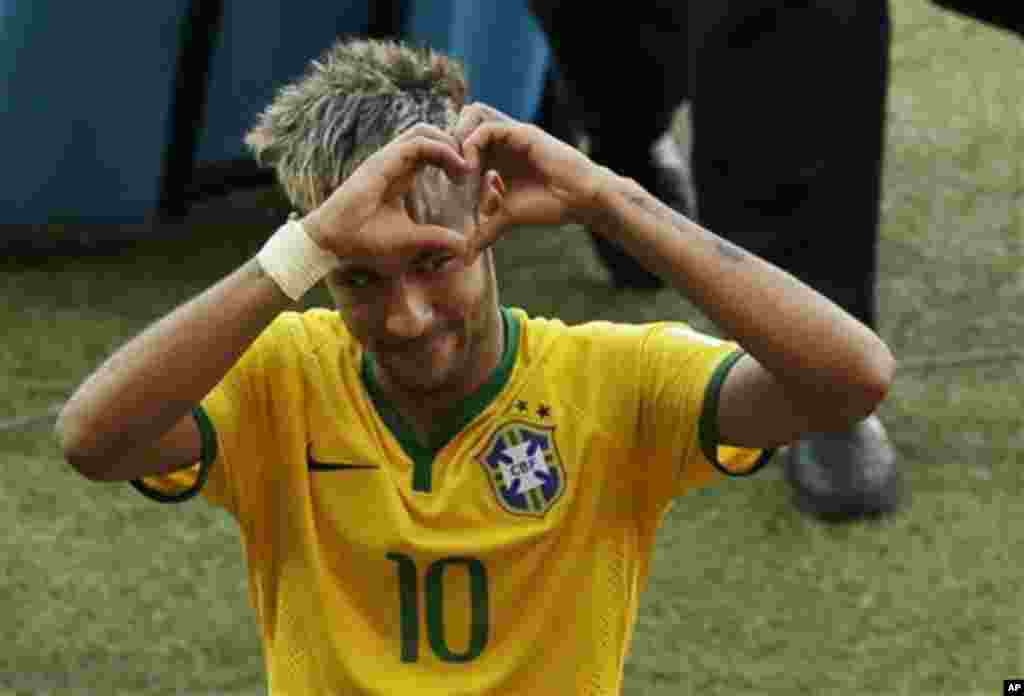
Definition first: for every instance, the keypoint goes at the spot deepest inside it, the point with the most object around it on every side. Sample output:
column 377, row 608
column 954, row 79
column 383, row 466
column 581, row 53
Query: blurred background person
column 1008, row 16
column 787, row 107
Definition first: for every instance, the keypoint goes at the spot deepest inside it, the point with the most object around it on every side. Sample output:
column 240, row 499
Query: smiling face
column 431, row 320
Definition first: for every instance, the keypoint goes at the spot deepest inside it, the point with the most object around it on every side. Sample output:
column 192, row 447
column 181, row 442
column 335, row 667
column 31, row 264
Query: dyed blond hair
column 351, row 102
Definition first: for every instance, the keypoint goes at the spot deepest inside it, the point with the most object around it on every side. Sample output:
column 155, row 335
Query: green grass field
column 104, row 592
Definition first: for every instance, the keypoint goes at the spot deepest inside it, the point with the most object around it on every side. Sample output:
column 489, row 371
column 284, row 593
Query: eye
column 356, row 280
column 435, row 264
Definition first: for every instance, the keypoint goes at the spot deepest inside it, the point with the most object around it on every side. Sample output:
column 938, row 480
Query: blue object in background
column 263, row 46
column 86, row 102
column 85, row 99
column 503, row 48
column 505, row 53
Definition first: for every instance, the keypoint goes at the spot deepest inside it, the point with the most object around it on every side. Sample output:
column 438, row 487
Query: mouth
column 419, row 347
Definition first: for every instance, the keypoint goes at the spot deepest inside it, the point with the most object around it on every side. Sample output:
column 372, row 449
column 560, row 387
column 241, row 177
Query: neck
column 428, row 417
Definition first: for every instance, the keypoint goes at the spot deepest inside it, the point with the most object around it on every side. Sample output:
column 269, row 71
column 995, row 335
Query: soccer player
column 437, row 493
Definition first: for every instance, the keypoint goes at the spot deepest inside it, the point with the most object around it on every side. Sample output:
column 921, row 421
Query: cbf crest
column 524, row 468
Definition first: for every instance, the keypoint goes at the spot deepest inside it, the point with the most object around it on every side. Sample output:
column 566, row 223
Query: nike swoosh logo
column 314, row 465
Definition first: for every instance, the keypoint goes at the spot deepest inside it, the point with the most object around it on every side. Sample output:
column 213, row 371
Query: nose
column 408, row 312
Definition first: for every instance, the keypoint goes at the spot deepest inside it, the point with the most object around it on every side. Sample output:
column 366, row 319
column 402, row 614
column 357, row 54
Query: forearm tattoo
column 647, row 202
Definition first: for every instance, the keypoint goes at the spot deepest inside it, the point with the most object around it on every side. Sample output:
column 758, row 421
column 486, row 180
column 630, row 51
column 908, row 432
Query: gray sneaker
column 845, row 476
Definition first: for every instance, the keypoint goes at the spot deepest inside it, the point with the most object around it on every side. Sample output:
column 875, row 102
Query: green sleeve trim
column 209, row 437
column 207, row 456
column 708, row 425
column 462, row 413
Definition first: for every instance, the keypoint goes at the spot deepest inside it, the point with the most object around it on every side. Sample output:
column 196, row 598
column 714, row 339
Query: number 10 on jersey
column 409, row 607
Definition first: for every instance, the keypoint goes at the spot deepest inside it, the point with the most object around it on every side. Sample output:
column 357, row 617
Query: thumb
column 486, row 233
column 436, row 237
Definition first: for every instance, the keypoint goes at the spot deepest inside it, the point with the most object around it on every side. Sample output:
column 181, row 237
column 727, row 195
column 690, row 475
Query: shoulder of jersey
column 561, row 346
column 305, row 333
column 316, row 326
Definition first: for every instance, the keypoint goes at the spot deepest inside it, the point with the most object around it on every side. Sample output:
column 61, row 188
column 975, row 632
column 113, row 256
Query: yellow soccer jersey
column 510, row 560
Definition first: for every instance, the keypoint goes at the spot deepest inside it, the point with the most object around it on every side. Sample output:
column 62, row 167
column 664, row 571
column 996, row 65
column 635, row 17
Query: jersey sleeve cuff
column 708, row 426
column 208, row 454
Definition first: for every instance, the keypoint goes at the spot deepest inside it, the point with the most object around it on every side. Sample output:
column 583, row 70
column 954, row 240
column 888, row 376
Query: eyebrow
column 419, row 258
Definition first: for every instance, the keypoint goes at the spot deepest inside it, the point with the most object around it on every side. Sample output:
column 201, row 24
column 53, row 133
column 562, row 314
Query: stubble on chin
column 427, row 380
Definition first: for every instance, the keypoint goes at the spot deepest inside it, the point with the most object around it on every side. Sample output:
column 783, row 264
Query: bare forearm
column 806, row 341
column 145, row 387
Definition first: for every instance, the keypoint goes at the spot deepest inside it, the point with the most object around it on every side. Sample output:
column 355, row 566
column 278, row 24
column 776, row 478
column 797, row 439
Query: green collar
column 462, row 413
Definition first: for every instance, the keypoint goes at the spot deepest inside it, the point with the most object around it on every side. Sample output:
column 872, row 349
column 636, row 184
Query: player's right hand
column 545, row 181
column 378, row 188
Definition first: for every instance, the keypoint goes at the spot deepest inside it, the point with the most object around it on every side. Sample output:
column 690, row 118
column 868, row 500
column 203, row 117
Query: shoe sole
column 885, row 500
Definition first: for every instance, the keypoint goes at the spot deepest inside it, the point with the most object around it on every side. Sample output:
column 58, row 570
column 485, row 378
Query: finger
column 422, row 128
column 495, row 114
column 486, row 237
column 479, row 140
column 437, row 237
column 425, row 150
column 426, row 130
column 469, row 119
column 490, row 113
column 487, row 234
column 473, row 115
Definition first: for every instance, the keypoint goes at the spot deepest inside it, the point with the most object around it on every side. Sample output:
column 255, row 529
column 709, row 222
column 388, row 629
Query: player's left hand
column 546, row 181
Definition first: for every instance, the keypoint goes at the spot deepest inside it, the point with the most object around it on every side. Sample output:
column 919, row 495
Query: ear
column 491, row 200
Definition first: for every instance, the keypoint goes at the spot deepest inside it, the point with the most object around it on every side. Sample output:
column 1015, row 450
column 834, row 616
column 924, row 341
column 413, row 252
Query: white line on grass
column 969, row 357
column 34, row 419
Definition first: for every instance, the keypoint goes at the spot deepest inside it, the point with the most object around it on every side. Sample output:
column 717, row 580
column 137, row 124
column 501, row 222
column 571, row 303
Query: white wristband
column 294, row 261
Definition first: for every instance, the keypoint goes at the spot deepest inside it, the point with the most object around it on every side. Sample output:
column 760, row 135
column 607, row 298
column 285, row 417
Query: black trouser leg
column 789, row 120
column 626, row 68
column 203, row 24
column 558, row 113
column 1005, row 14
